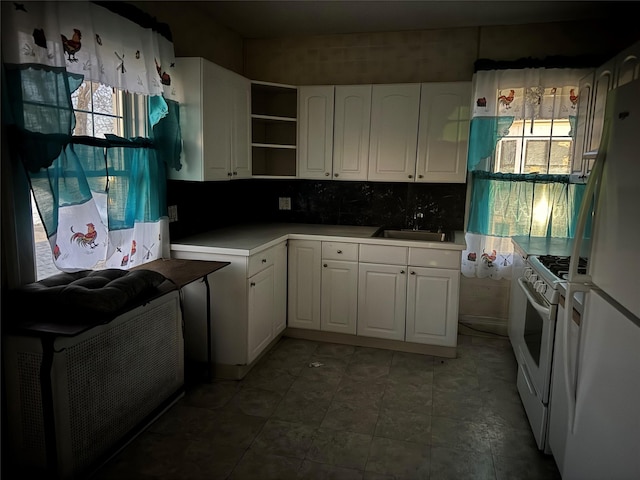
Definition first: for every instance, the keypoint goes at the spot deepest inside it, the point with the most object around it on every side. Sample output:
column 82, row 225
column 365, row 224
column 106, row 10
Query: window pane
column 81, row 98
column 507, row 159
column 561, row 128
column 104, row 99
column 516, row 129
column 537, row 127
column 84, row 124
column 104, row 124
column 560, row 162
column 536, row 156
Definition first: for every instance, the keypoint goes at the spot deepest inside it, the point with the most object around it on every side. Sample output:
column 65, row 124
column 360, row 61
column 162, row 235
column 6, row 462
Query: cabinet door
column 261, row 312
column 304, row 284
column 382, row 296
column 217, row 134
column 240, row 94
column 394, row 132
column 585, row 92
column 352, row 121
column 280, row 288
column 443, row 134
column 315, row 132
column 339, row 296
column 432, row 306
column 188, row 81
column 602, row 83
column 627, row 65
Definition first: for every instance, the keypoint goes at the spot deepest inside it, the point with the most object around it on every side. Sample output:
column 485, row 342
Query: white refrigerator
column 594, row 429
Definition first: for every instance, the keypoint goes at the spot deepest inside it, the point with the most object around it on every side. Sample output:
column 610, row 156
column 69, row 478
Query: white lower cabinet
column 382, row 293
column 390, row 292
column 248, row 308
column 432, row 306
column 304, row 283
column 339, row 298
column 261, row 290
column 267, row 299
column 339, row 292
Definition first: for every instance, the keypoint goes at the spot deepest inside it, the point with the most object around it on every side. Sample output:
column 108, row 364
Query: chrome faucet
column 417, row 218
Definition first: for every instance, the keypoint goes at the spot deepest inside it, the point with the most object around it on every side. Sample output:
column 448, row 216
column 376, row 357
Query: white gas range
column 532, row 321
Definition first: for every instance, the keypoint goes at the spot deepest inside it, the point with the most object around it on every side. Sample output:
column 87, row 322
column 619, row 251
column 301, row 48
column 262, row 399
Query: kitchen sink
column 408, row 234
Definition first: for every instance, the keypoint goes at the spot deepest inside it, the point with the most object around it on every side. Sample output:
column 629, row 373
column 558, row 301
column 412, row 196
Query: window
column 534, row 144
column 98, row 110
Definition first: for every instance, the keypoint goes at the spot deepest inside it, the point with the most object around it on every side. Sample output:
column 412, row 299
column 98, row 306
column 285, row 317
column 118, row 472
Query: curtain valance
column 90, row 40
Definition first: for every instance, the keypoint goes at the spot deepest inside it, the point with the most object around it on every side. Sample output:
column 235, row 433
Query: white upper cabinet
column 627, row 65
column 214, row 119
column 602, row 83
column 394, row 132
column 443, row 133
column 592, row 98
column 352, row 118
column 585, row 90
column 315, row 131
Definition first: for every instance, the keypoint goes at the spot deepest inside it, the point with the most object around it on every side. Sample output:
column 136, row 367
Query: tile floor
column 364, row 413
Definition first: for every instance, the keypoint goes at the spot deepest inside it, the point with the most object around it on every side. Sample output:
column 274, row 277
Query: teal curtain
column 483, row 136
column 506, row 205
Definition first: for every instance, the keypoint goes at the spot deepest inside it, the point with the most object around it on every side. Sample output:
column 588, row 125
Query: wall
column 423, row 56
column 196, row 34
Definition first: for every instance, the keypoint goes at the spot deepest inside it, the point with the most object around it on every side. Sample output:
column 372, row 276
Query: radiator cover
column 105, row 382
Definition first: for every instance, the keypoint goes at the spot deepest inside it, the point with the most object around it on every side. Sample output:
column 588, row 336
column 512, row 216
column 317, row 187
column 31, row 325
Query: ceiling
column 281, row 18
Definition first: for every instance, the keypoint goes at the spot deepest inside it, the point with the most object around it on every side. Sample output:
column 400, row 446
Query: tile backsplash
column 204, row 206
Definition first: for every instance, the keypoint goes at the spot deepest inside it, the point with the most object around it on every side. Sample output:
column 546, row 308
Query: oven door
column 535, row 347
column 517, row 305
column 535, row 351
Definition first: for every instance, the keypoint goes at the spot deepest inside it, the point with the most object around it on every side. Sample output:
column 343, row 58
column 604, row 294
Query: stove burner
column 559, row 265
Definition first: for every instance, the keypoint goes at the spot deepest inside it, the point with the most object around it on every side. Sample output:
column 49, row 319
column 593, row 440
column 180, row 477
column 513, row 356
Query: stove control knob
column 542, row 288
column 527, row 272
column 533, row 278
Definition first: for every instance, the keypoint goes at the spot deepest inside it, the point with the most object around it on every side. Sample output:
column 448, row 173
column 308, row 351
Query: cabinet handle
column 229, row 174
column 235, row 173
column 402, row 272
column 264, row 260
column 410, row 176
column 253, row 284
column 420, row 176
column 325, row 265
column 336, row 174
column 340, row 252
column 327, row 174
column 412, row 272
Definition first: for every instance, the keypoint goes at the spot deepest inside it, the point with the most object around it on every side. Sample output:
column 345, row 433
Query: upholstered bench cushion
column 103, row 292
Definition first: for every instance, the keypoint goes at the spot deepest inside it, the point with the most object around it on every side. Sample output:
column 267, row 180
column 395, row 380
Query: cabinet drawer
column 426, row 257
column 260, row 261
column 340, row 251
column 383, row 254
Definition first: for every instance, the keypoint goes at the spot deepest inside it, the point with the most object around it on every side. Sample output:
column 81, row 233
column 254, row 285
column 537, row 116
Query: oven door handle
column 546, row 311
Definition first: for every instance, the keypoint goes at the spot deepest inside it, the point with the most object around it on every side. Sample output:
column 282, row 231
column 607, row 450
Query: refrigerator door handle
column 592, row 188
column 570, row 378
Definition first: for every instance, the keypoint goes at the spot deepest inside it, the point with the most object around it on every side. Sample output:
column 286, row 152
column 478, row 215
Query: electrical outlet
column 284, row 203
column 173, row 213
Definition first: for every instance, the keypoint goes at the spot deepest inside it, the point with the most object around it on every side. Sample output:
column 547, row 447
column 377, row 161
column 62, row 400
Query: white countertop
column 543, row 245
column 247, row 240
